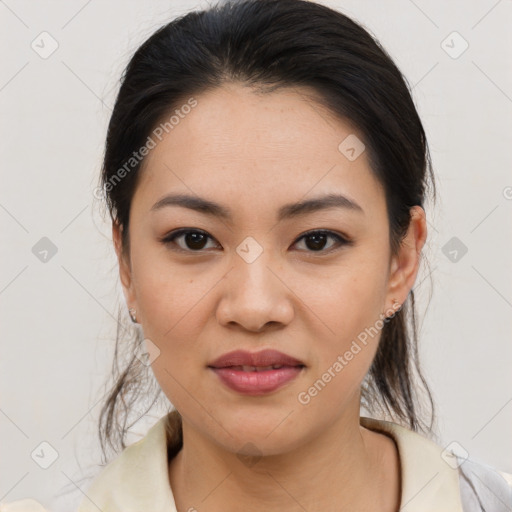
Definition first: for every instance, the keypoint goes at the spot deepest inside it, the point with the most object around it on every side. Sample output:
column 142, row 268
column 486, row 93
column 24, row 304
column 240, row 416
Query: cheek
column 169, row 295
column 175, row 327
column 174, row 316
column 174, row 309
column 343, row 358
column 350, row 308
column 348, row 301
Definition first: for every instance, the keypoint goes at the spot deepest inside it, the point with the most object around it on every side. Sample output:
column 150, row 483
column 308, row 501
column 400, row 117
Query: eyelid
column 341, row 239
column 170, row 237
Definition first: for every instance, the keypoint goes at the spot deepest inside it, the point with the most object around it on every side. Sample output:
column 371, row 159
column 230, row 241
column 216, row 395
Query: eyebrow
column 287, row 211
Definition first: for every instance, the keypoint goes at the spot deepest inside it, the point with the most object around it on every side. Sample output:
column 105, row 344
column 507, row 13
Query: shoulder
column 447, row 481
column 26, row 505
column 137, row 479
column 483, row 487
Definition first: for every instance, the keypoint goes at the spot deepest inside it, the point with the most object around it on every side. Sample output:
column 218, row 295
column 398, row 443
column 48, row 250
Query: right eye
column 193, row 240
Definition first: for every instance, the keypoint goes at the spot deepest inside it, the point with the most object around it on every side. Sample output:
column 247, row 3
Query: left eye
column 316, row 240
column 195, row 240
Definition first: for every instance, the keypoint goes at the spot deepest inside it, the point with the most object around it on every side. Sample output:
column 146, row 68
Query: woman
column 266, row 173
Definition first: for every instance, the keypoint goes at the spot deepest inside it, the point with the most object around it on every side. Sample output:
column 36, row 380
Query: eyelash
column 169, row 239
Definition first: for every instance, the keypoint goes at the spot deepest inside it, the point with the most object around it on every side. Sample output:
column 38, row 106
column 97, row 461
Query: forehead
column 237, row 145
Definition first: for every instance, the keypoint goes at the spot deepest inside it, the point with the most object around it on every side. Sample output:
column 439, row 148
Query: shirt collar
column 138, row 479
column 428, row 481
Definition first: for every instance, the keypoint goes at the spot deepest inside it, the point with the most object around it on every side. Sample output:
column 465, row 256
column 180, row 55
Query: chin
column 263, row 437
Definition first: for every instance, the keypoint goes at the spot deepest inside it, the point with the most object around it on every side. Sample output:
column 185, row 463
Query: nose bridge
column 251, row 266
column 253, row 296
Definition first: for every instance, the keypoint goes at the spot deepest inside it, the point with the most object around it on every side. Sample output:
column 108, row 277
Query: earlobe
column 405, row 264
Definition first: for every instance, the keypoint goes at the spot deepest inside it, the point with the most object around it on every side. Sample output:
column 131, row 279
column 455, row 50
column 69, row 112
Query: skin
column 254, row 153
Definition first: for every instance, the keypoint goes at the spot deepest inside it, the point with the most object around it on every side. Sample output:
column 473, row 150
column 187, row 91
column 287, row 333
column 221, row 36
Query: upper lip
column 262, row 358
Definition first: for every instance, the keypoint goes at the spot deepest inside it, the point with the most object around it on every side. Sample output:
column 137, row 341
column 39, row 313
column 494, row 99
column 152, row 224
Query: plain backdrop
column 58, row 315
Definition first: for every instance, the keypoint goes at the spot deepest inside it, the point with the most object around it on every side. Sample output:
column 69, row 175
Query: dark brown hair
column 269, row 44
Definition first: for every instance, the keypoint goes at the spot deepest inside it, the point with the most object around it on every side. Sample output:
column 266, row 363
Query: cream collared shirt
column 433, row 480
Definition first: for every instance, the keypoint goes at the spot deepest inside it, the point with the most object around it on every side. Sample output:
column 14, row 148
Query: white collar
column 428, row 481
column 138, row 479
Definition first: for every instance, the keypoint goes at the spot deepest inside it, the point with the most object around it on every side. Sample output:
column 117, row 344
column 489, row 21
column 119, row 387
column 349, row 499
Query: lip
column 256, row 378
column 263, row 358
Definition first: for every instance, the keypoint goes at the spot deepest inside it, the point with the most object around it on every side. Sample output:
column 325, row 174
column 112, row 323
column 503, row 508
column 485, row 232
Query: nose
column 255, row 296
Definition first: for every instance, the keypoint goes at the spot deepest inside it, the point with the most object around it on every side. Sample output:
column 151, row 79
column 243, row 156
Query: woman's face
column 251, row 280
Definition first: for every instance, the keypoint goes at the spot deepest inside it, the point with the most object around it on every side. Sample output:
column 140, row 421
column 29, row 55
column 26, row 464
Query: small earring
column 133, row 315
column 396, row 306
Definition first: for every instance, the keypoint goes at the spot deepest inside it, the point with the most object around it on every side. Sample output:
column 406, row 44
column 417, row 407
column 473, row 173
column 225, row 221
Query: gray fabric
column 482, row 488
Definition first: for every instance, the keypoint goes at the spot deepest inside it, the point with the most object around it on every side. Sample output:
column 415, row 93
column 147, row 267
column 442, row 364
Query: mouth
column 256, row 373
column 261, row 368
column 252, row 361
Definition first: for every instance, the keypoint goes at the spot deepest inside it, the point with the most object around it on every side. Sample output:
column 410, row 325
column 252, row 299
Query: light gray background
column 57, row 317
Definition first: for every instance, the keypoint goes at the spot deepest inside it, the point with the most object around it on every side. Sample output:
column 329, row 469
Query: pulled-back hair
column 272, row 44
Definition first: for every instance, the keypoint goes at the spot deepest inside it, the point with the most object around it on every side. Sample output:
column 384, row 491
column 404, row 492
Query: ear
column 405, row 265
column 125, row 273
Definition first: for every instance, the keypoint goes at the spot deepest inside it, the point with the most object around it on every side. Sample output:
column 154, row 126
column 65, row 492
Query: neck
column 344, row 466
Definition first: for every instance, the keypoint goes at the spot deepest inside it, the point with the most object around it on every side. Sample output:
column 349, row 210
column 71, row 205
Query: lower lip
column 257, row 383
